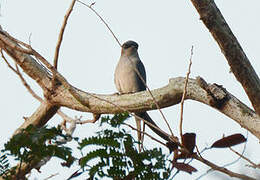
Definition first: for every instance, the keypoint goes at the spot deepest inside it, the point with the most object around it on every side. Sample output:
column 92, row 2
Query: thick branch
column 29, row 65
column 142, row 101
column 40, row 117
column 166, row 96
column 230, row 47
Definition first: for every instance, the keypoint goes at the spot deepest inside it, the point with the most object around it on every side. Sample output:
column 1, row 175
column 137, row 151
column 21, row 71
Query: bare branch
column 8, row 64
column 100, row 17
column 95, row 118
column 40, row 117
column 230, row 47
column 66, row 17
column 243, row 157
column 67, row 119
column 51, row 176
column 9, row 41
column 27, row 86
column 143, row 132
column 222, row 169
column 184, row 93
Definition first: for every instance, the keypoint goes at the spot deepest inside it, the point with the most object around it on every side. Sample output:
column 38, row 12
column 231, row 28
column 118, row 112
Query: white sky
column 165, row 31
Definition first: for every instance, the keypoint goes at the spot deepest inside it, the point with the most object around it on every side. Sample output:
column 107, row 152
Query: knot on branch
column 218, row 95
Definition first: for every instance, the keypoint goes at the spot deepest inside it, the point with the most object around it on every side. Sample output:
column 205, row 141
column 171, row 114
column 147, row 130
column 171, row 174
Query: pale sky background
column 165, row 31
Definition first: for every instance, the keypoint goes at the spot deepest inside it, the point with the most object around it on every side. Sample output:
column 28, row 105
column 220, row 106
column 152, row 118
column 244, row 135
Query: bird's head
column 129, row 48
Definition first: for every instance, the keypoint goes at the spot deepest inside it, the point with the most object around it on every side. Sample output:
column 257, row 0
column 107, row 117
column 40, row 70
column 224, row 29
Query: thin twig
column 143, row 132
column 243, row 157
column 157, row 105
column 17, row 46
column 67, row 119
column 244, row 149
column 142, row 137
column 184, row 93
column 29, row 39
column 213, row 166
column 222, row 169
column 28, row 51
column 90, row 7
column 8, row 64
column 66, row 17
column 51, row 176
column 27, row 86
column 93, row 120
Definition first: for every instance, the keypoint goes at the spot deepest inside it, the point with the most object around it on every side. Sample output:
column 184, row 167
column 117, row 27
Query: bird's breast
column 126, row 78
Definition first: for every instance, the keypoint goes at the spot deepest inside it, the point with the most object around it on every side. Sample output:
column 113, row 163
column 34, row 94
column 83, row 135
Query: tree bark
column 230, row 47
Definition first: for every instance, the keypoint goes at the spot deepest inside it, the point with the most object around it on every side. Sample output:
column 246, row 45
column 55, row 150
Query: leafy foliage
column 37, row 143
column 117, row 157
column 112, row 152
column 116, row 120
column 34, row 144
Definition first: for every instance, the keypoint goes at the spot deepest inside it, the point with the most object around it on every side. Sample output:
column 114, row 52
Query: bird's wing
column 141, row 69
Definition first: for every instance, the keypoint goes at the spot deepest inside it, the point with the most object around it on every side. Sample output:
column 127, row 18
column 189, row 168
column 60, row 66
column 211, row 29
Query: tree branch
column 222, row 169
column 40, row 117
column 184, row 94
column 66, row 17
column 137, row 102
column 230, row 47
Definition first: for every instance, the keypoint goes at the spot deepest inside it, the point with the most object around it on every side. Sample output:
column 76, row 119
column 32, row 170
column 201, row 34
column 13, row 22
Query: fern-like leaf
column 4, row 164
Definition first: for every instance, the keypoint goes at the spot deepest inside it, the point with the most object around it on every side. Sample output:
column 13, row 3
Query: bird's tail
column 146, row 117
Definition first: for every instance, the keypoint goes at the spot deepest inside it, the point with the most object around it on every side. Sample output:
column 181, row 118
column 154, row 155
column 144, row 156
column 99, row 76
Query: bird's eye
column 126, row 46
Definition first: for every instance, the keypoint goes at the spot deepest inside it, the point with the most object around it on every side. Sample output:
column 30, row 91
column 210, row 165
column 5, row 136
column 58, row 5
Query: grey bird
column 127, row 80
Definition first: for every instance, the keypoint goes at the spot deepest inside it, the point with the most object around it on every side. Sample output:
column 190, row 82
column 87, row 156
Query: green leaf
column 116, row 155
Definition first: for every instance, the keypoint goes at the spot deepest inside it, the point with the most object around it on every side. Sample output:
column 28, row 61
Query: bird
column 127, row 80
